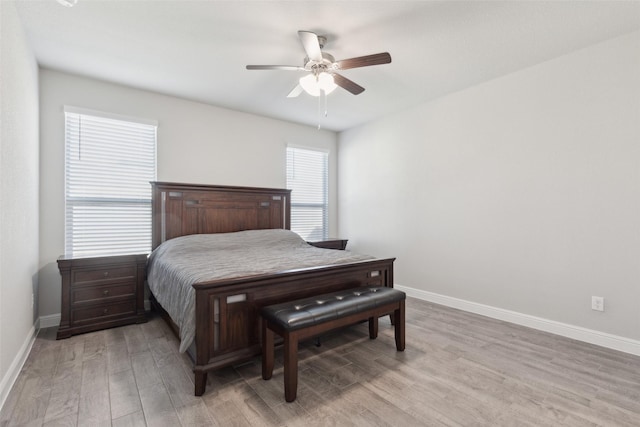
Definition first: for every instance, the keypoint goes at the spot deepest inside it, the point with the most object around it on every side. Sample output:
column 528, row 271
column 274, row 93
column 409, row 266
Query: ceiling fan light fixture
column 314, row 83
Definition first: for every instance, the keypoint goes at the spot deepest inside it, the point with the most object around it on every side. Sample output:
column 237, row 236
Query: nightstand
column 101, row 292
column 330, row 243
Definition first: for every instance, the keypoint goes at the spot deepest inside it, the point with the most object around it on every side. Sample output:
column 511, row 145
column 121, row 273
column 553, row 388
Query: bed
column 223, row 327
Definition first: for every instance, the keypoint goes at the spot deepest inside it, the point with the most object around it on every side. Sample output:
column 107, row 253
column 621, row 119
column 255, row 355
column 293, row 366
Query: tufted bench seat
column 305, row 318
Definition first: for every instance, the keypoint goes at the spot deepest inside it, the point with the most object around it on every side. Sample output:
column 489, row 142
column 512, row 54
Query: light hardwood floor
column 458, row 369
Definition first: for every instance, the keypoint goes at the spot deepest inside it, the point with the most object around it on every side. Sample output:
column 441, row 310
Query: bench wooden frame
column 291, row 339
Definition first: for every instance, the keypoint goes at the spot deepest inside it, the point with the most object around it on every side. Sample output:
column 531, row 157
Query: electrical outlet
column 597, row 303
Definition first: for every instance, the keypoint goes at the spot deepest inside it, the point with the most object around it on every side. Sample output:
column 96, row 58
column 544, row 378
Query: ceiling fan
column 322, row 68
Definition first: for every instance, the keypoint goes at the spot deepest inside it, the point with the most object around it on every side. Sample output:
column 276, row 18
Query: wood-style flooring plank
column 64, row 421
column 162, row 350
column 33, row 401
column 94, row 406
column 95, row 345
column 179, row 385
column 123, row 394
column 458, row 369
column 132, row 420
column 157, row 406
column 196, row 414
column 114, row 336
column 225, row 413
column 118, row 359
column 65, row 394
column 135, row 339
column 145, row 370
column 13, row 400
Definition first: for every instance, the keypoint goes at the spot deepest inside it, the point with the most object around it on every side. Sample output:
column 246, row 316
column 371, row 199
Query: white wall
column 18, row 195
column 197, row 143
column 522, row 193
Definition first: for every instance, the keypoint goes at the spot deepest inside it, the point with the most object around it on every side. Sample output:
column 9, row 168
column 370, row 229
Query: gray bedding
column 179, row 263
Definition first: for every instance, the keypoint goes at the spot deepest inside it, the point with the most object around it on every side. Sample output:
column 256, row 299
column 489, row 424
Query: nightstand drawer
column 102, row 312
column 92, row 276
column 102, row 293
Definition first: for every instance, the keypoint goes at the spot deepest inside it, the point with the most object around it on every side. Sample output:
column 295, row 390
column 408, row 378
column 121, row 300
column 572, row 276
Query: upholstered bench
column 305, row 318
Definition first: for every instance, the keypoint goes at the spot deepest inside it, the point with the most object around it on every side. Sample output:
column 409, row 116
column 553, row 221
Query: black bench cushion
column 312, row 311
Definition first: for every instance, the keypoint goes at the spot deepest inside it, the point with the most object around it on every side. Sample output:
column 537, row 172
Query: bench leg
column 290, row 367
column 267, row 351
column 373, row 327
column 398, row 324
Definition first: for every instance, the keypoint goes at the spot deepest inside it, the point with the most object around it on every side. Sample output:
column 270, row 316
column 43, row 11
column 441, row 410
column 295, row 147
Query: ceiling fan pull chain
column 326, row 101
column 320, row 108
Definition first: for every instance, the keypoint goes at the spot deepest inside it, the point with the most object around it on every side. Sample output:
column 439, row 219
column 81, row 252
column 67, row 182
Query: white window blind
column 108, row 165
column 308, row 178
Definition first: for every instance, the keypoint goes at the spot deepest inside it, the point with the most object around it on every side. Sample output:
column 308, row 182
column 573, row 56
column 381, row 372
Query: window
column 109, row 162
column 307, row 177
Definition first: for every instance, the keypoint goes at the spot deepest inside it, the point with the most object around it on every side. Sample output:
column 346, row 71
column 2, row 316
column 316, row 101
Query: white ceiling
column 198, row 49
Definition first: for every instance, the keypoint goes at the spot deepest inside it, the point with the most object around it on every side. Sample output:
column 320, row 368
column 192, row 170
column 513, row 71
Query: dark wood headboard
column 182, row 209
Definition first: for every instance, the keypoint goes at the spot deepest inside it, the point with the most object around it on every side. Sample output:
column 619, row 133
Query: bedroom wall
column 18, row 196
column 197, row 143
column 519, row 196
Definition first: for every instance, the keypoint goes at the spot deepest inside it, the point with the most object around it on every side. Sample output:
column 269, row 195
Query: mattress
column 177, row 264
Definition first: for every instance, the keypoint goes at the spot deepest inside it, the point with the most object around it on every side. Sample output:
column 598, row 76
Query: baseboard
column 50, row 321
column 591, row 336
column 16, row 366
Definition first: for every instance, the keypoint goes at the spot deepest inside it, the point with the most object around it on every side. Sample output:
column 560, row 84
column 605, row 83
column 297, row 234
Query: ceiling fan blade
column 311, row 45
column 275, row 67
column 347, row 84
column 295, row 91
column 364, row 61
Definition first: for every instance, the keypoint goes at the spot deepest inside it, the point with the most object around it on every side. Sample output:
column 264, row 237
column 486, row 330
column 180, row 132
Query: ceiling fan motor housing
column 328, row 63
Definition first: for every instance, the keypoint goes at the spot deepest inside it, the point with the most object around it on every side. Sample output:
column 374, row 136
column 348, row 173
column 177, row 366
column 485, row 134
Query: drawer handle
column 105, row 311
column 106, row 273
column 105, row 292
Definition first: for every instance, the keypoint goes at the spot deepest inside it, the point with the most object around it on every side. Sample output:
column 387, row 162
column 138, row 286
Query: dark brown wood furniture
column 227, row 317
column 302, row 319
column 330, row 243
column 101, row 292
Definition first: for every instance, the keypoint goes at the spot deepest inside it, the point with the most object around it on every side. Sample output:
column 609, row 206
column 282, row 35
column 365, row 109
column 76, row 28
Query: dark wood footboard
column 227, row 311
